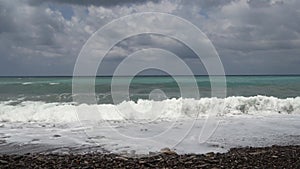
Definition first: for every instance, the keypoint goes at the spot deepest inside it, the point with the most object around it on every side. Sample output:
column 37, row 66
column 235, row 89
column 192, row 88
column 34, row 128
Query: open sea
column 59, row 89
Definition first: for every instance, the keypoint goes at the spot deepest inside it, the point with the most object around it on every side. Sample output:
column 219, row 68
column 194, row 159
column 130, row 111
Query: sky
column 44, row 37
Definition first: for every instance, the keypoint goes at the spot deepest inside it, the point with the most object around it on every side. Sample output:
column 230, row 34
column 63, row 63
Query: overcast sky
column 44, row 37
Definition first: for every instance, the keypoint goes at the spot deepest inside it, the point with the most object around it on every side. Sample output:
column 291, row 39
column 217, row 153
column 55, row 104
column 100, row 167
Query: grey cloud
column 29, row 40
column 252, row 37
column 261, row 62
column 273, row 28
column 264, row 3
column 206, row 4
column 105, row 3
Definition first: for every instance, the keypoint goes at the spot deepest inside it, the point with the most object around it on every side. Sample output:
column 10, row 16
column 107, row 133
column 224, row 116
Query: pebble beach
column 246, row 157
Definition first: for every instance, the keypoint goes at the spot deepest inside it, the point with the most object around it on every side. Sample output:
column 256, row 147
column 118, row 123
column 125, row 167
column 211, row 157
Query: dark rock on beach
column 266, row 157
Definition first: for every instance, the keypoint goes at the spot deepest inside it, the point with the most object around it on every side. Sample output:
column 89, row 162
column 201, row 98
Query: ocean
column 257, row 110
column 59, row 89
column 245, row 95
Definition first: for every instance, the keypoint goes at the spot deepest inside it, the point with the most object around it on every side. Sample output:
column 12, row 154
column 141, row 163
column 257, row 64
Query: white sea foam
column 170, row 109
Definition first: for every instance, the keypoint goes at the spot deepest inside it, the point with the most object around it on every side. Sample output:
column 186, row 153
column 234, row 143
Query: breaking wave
column 170, row 109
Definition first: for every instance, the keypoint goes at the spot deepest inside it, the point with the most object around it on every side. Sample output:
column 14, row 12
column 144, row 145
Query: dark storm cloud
column 27, row 29
column 145, row 41
column 105, row 3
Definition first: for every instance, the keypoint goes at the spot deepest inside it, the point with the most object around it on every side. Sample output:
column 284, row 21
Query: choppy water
column 59, row 89
column 50, row 99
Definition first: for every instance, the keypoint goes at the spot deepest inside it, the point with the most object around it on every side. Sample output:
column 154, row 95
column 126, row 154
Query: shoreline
column 262, row 157
column 244, row 131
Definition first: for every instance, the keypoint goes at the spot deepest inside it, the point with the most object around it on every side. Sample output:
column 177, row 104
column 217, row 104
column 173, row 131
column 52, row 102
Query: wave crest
column 170, row 109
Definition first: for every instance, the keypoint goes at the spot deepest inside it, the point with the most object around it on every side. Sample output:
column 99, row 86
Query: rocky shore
column 248, row 157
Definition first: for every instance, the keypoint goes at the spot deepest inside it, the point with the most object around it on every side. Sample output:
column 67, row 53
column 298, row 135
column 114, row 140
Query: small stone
column 56, row 135
column 3, row 162
column 152, row 153
column 142, row 162
column 167, row 150
column 210, row 154
column 39, row 158
column 17, row 157
column 257, row 152
column 122, row 158
column 203, row 166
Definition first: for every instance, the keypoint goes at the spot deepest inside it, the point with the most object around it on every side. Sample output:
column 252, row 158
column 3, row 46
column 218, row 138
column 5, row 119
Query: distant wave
column 170, row 109
column 54, row 83
column 27, row 83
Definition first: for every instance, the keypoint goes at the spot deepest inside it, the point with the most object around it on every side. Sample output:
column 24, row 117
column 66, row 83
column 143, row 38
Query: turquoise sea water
column 59, row 89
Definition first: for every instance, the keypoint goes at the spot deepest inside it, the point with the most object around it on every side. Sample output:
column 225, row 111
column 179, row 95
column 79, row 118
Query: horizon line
column 39, row 76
